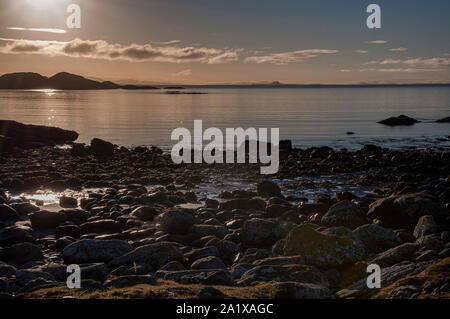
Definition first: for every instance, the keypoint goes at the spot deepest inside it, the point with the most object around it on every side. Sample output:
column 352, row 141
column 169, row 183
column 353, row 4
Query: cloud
column 288, row 57
column 50, row 30
column 187, row 72
column 398, row 49
column 401, row 70
column 99, row 49
column 434, row 63
column 346, row 70
column 361, row 51
column 167, row 42
column 377, row 42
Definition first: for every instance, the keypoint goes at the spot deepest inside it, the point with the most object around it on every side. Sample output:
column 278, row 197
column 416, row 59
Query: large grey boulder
column 345, row 214
column 91, row 251
column 320, row 249
column 156, row 255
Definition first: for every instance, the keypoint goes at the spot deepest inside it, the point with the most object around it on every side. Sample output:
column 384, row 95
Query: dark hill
column 60, row 81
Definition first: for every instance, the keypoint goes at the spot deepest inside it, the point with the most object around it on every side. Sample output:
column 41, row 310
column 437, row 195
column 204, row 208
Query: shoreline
column 181, row 232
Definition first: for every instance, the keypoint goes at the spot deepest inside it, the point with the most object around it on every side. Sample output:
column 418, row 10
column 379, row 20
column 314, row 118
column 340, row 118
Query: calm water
column 309, row 117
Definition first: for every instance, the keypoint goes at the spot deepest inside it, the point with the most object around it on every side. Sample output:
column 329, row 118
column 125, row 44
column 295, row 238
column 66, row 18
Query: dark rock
column 376, row 238
column 44, row 219
column 444, row 120
column 23, row 209
column 91, row 251
column 15, row 235
column 105, row 226
column 66, row 201
column 258, row 232
column 208, row 230
column 145, row 213
column 156, row 255
column 68, row 230
column 399, row 120
column 7, row 213
column 177, row 221
column 268, row 189
column 25, row 136
column 297, row 290
column 211, row 262
column 345, row 214
column 427, row 226
column 283, row 273
column 20, row 254
column 210, row 293
column 404, row 211
column 101, row 148
column 321, row 250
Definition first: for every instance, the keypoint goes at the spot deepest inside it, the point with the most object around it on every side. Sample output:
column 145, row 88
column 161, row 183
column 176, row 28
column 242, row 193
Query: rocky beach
column 140, row 226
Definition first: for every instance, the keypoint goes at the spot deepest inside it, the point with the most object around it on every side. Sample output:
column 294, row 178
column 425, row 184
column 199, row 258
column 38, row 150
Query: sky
column 232, row 41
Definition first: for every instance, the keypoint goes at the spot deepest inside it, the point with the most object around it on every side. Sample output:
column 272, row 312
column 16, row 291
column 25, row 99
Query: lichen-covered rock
column 283, row 273
column 321, row 250
column 427, row 226
column 404, row 211
column 91, row 251
column 211, row 262
column 297, row 290
column 258, row 232
column 376, row 238
column 405, row 252
column 156, row 255
column 345, row 214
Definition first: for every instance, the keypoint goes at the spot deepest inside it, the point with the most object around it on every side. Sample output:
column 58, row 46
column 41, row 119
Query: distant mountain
column 60, row 81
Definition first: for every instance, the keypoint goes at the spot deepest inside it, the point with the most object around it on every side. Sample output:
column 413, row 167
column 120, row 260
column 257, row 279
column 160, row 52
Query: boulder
column 257, row 232
column 268, row 189
column 44, row 219
column 7, row 213
column 297, row 290
column 20, row 254
column 399, row 120
column 376, row 238
column 156, row 255
column 211, row 262
column 15, row 234
column 444, row 120
column 321, row 250
column 101, row 148
column 66, row 201
column 145, row 213
column 345, row 214
column 405, row 252
column 404, row 211
column 25, row 136
column 177, row 221
column 92, row 251
column 104, row 226
column 208, row 230
column 283, row 273
column 312, row 208
column 427, row 226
